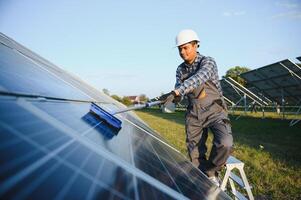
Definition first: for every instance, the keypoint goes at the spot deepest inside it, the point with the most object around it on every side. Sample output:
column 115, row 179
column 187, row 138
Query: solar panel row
column 277, row 81
column 52, row 148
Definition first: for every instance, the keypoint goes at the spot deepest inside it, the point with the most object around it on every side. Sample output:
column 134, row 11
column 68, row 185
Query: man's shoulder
column 181, row 66
column 207, row 59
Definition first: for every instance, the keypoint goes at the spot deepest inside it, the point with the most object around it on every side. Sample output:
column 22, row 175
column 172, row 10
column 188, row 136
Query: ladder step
column 238, row 180
column 239, row 195
column 232, row 161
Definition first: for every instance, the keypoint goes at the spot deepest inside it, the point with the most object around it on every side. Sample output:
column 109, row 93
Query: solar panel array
column 277, row 81
column 53, row 148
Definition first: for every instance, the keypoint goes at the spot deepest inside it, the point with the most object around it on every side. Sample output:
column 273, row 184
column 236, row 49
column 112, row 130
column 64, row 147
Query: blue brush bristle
column 106, row 116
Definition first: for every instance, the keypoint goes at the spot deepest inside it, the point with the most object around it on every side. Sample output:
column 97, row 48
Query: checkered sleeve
column 207, row 70
column 178, row 77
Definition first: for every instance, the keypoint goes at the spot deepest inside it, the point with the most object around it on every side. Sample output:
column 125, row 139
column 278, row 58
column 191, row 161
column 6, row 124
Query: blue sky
column 128, row 46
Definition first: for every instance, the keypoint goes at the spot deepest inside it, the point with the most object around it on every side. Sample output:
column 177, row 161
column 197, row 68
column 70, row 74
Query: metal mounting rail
column 43, row 97
column 246, row 91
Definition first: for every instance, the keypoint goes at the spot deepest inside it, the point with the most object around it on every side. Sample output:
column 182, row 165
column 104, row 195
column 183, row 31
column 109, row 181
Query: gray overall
column 207, row 109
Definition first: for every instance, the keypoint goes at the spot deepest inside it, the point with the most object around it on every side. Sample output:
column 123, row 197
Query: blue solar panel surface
column 55, row 149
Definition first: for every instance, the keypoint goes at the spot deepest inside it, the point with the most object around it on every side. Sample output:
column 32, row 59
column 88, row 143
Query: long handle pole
column 140, row 106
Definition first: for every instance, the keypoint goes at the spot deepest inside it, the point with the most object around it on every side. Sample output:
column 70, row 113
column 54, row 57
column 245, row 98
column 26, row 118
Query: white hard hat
column 186, row 36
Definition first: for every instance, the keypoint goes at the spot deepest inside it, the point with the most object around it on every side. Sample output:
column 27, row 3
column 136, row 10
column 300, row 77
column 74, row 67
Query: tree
column 234, row 73
column 106, row 91
column 117, row 98
column 126, row 101
column 143, row 98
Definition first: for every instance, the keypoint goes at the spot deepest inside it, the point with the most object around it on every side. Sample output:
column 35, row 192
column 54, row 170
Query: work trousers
column 198, row 121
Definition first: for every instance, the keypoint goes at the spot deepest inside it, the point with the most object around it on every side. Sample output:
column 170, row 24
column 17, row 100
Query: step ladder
column 233, row 163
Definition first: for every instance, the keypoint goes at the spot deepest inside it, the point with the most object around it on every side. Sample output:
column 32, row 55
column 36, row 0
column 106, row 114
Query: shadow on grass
column 271, row 135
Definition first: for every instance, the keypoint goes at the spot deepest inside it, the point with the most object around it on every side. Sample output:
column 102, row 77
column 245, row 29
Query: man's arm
column 178, row 77
column 202, row 75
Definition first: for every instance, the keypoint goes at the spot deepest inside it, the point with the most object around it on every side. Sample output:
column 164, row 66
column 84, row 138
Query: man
column 197, row 79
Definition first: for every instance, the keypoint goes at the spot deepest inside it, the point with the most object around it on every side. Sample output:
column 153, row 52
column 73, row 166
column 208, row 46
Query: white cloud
column 288, row 5
column 289, row 15
column 238, row 13
column 227, row 14
column 234, row 13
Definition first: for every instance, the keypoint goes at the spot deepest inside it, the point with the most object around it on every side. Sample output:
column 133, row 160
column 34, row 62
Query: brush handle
column 140, row 106
column 153, row 103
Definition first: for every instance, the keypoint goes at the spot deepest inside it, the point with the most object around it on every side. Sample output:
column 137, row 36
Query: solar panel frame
column 230, row 92
column 236, row 94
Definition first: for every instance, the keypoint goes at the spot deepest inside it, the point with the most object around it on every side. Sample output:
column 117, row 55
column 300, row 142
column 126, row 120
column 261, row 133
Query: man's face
column 188, row 52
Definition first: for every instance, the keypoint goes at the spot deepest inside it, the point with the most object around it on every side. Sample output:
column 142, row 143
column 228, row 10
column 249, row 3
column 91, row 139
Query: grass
column 272, row 115
column 270, row 149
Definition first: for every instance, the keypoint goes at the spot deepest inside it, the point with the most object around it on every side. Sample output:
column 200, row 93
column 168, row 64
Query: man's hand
column 177, row 93
column 170, row 97
column 178, row 97
column 173, row 96
column 166, row 96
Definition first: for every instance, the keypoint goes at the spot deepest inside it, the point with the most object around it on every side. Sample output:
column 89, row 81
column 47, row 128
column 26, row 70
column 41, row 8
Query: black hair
column 195, row 42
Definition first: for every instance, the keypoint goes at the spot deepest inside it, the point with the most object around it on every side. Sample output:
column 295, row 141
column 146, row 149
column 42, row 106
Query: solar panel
column 260, row 94
column 63, row 85
column 53, row 148
column 32, row 79
column 281, row 79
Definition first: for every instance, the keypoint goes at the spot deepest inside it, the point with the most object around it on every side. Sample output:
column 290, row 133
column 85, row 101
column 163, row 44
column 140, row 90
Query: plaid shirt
column 188, row 77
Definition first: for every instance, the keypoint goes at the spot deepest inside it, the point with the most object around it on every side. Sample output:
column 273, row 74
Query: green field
column 270, row 149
